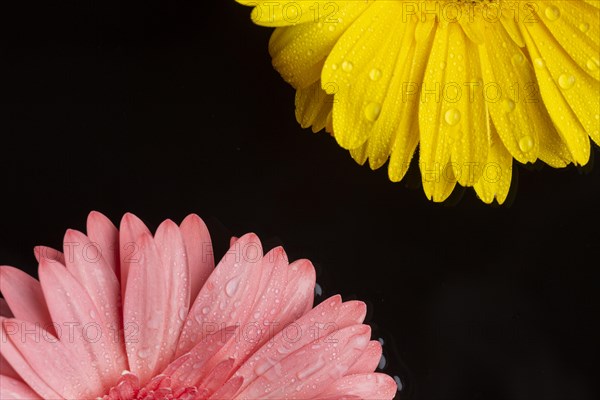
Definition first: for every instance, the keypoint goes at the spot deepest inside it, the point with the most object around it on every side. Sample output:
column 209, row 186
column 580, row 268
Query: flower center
column 159, row 387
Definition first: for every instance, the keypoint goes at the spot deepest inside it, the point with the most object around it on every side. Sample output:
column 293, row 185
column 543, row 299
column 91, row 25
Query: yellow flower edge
column 474, row 83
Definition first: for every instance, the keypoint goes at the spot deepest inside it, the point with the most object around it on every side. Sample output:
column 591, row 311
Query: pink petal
column 228, row 295
column 218, row 376
column 14, row 389
column 262, row 319
column 7, row 370
column 48, row 358
column 325, row 318
column 198, row 247
column 126, row 388
column 352, row 312
column 299, row 291
column 190, row 368
column 5, row 309
column 48, row 253
column 11, row 354
column 132, row 228
column 105, row 235
column 98, row 279
column 308, row 371
column 229, row 389
column 81, row 327
column 365, row 386
column 368, row 360
column 144, row 311
column 24, row 295
column 232, row 240
column 171, row 250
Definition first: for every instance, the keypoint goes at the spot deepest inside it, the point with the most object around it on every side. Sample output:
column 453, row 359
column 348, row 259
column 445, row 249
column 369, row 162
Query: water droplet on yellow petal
column 375, row 74
column 518, row 59
column 334, row 66
column 372, row 111
column 331, row 28
column 508, row 105
column 584, row 27
column 526, row 143
column 452, row 116
column 442, row 65
column 566, row 81
column 592, row 64
column 540, row 63
column 347, row 66
column 552, row 13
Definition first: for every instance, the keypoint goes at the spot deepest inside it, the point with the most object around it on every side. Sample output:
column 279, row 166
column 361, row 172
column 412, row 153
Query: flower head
column 474, row 83
column 123, row 314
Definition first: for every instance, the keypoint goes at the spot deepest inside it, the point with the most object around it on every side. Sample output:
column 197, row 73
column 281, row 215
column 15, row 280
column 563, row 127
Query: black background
column 165, row 108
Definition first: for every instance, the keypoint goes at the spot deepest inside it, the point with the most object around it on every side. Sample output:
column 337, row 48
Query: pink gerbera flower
column 122, row 314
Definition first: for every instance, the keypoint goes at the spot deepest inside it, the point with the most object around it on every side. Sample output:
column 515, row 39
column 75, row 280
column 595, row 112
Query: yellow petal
column 313, row 106
column 299, row 51
column 470, row 146
column 372, row 42
column 359, row 154
column 570, row 95
column 575, row 26
column 497, row 172
column 436, row 134
column 406, row 137
column 395, row 105
column 512, row 94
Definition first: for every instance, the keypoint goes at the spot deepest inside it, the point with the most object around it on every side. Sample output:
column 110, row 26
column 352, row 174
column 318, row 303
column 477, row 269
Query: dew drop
column 592, row 64
column 508, row 105
column 540, row 63
column 334, row 66
column 331, row 28
column 526, row 143
column 182, row 313
column 318, row 290
column 442, row 65
column 143, row 353
column 232, row 286
column 372, row 111
column 310, row 53
column 347, row 66
column 552, row 13
column 375, row 74
column 205, row 310
column 584, row 27
column 382, row 362
column 93, row 314
column 398, row 382
column 518, row 59
column 566, row 81
column 452, row 116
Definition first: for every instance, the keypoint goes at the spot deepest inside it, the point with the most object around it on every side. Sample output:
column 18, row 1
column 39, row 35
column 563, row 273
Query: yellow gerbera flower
column 474, row 83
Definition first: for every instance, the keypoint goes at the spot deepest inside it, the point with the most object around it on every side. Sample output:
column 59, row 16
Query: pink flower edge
column 124, row 314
